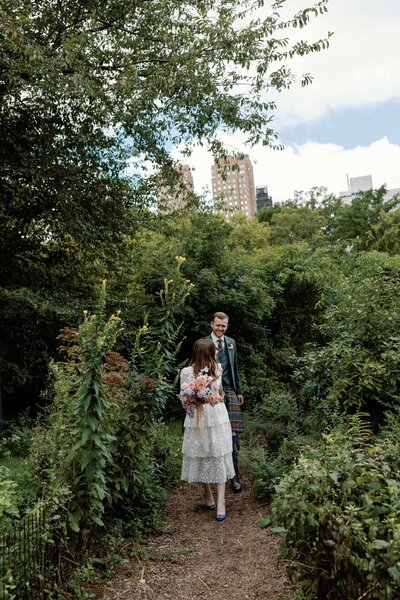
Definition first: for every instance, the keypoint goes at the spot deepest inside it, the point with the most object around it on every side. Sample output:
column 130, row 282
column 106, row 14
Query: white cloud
column 359, row 68
column 302, row 167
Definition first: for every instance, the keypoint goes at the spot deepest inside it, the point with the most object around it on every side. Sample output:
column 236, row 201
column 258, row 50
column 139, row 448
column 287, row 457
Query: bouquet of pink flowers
column 198, row 391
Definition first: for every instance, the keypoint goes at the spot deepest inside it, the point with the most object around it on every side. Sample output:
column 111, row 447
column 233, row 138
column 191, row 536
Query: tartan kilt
column 234, row 411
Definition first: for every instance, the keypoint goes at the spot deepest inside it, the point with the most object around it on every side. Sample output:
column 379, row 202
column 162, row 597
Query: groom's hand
column 240, row 399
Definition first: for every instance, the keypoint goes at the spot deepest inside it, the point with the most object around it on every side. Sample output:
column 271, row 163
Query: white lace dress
column 207, row 441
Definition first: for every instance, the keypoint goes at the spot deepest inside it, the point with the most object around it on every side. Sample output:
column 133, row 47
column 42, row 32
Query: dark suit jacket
column 230, row 347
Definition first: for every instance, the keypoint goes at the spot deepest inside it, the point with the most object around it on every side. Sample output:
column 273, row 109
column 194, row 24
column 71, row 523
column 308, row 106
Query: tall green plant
column 72, row 448
column 157, row 344
column 90, row 455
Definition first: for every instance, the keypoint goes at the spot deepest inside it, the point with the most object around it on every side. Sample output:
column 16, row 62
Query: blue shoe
column 210, row 506
column 221, row 517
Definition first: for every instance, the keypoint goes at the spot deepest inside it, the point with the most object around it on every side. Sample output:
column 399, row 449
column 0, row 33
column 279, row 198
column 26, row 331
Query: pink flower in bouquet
column 203, row 387
column 198, row 391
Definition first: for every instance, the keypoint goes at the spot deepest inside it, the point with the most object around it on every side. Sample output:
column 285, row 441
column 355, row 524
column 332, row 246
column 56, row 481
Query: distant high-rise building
column 233, row 184
column 355, row 186
column 175, row 197
column 360, row 184
column 363, row 184
column 262, row 197
column 392, row 193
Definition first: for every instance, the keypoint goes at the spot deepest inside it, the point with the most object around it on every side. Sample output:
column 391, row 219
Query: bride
column 207, row 440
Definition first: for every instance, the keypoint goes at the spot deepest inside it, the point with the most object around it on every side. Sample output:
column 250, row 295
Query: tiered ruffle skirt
column 207, row 446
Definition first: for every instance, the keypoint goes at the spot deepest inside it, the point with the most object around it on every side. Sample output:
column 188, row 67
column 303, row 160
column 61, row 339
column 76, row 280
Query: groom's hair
column 220, row 315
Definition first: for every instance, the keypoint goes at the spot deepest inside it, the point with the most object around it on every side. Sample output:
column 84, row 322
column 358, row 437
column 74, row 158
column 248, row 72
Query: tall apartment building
column 175, row 197
column 233, row 184
column 262, row 197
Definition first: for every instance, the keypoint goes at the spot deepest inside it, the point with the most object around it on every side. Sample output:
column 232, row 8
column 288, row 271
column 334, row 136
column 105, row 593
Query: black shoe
column 236, row 485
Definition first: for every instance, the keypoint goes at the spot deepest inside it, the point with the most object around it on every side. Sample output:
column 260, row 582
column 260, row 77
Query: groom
column 226, row 355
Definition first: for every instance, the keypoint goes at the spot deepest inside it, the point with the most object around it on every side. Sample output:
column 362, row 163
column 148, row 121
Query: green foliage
column 265, row 214
column 97, row 61
column 15, row 447
column 299, row 281
column 294, row 224
column 168, row 452
column 145, row 460
column 90, row 455
column 71, row 451
column 339, row 507
column 132, row 481
column 16, row 440
column 156, row 348
column 27, row 326
column 276, row 416
column 385, row 235
column 232, row 282
column 358, row 223
column 138, row 493
column 21, row 472
column 8, row 497
column 358, row 368
column 277, row 430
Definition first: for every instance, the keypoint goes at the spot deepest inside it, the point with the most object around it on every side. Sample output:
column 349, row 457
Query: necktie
column 220, row 349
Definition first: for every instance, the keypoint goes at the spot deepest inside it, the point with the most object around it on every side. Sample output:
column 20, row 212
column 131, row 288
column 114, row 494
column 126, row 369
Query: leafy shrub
column 20, row 470
column 265, row 468
column 17, row 438
column 254, row 460
column 276, row 434
column 94, row 453
column 359, row 366
column 168, row 444
column 8, row 508
column 339, row 508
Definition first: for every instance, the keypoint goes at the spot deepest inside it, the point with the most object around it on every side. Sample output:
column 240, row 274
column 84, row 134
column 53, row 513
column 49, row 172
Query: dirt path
column 198, row 558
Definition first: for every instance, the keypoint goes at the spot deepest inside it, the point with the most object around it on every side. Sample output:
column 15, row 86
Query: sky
column 347, row 122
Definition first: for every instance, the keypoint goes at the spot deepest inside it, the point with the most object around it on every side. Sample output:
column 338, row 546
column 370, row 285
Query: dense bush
column 358, row 367
column 278, row 428
column 339, row 508
column 16, row 440
column 8, row 508
column 102, row 456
